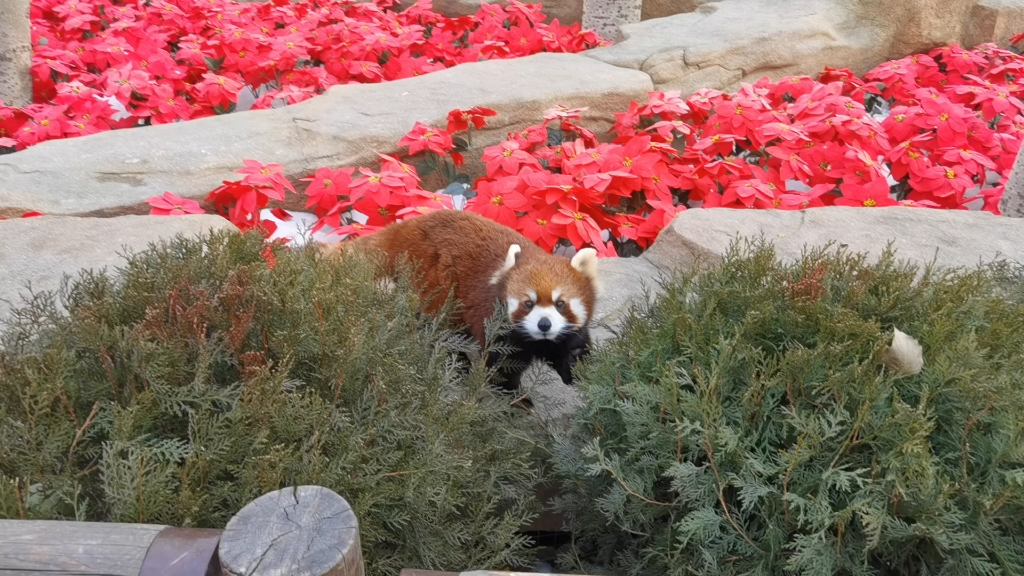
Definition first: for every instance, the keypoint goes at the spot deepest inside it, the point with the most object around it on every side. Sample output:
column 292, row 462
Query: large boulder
column 994, row 21
column 115, row 172
column 720, row 44
column 36, row 253
column 951, row 238
column 701, row 237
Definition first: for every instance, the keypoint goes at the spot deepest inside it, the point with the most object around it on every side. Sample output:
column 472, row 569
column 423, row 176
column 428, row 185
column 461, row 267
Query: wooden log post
column 303, row 531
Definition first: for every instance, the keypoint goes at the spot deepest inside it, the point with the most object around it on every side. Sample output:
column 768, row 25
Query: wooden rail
column 302, row 531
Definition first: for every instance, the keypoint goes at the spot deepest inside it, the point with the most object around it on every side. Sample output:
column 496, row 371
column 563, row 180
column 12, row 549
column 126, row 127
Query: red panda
column 550, row 299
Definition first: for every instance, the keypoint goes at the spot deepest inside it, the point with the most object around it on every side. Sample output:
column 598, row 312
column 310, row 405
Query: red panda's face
column 549, row 297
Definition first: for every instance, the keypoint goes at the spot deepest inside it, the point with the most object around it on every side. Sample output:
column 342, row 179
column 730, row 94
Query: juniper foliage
column 743, row 423
column 196, row 378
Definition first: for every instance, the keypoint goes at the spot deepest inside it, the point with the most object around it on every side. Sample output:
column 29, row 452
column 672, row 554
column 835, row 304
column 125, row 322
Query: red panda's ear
column 515, row 252
column 586, row 262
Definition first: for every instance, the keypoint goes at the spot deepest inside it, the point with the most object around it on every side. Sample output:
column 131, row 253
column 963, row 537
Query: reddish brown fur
column 461, row 250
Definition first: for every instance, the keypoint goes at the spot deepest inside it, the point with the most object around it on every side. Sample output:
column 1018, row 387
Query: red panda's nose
column 544, row 324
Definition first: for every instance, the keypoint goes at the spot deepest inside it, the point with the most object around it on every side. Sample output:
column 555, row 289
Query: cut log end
column 303, row 531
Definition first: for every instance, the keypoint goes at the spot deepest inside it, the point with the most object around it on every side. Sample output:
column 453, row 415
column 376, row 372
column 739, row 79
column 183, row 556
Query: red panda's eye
column 528, row 304
column 560, row 305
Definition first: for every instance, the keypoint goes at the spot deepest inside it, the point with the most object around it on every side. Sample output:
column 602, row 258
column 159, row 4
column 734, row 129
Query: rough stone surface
column 39, row 251
column 720, row 44
column 663, row 8
column 994, row 21
column 15, row 53
column 1012, row 203
column 606, row 16
column 114, row 172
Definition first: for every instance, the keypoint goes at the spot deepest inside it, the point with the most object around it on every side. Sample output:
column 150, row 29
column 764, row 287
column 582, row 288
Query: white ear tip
column 586, row 262
column 510, row 261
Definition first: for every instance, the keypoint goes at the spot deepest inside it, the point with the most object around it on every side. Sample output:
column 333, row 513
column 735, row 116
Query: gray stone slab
column 39, row 251
column 115, row 172
column 956, row 238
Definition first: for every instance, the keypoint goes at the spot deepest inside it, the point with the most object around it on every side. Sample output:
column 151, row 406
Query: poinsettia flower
column 748, row 192
column 459, row 120
column 872, row 194
column 563, row 113
column 796, row 200
column 378, row 187
column 170, row 204
column 327, row 186
column 718, row 144
column 580, row 227
column 493, row 198
column 538, row 227
column 506, row 159
column 423, row 137
column 666, row 104
column 257, row 174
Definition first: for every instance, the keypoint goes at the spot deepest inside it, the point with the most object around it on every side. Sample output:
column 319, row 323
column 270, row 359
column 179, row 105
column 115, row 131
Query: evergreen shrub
column 744, row 423
column 199, row 377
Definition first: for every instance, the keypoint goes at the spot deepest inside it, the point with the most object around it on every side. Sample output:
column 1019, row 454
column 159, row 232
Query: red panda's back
column 454, row 249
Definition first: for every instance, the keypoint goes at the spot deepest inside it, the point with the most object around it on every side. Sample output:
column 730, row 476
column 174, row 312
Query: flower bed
column 940, row 130
column 104, row 64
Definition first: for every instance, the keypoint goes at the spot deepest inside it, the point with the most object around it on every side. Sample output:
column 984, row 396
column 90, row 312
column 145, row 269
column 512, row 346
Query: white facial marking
column 558, row 323
column 556, row 294
column 579, row 309
column 513, row 305
column 532, row 295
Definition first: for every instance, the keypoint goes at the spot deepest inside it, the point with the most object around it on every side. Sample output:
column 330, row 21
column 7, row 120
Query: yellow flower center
column 870, row 202
column 496, row 200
